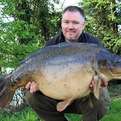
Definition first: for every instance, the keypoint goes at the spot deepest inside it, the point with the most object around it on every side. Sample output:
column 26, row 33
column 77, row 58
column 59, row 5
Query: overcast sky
column 70, row 2
column 67, row 3
column 62, row 5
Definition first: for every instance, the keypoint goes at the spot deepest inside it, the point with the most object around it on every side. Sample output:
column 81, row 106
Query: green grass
column 26, row 115
column 114, row 114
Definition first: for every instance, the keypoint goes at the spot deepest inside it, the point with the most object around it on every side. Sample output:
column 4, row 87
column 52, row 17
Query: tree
column 103, row 18
column 34, row 21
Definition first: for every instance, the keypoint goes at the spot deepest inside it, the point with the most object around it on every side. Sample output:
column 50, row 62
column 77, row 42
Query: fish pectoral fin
column 97, row 86
column 61, row 106
column 99, row 80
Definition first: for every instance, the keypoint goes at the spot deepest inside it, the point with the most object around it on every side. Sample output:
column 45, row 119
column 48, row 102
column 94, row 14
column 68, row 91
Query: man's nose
column 70, row 26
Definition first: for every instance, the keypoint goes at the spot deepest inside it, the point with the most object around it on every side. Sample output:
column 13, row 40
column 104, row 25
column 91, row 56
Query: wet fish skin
column 66, row 68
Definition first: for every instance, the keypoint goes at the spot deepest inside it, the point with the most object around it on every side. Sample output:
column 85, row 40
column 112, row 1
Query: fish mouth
column 116, row 73
column 116, row 70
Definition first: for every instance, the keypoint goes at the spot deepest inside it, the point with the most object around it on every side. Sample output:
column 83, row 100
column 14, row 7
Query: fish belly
column 65, row 80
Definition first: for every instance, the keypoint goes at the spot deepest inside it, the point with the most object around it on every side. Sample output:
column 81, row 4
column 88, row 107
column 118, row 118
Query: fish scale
column 63, row 72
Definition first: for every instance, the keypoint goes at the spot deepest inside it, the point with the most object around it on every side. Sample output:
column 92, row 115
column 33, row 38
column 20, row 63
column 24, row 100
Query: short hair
column 73, row 9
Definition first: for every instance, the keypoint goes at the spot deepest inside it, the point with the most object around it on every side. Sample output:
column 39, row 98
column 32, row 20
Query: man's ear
column 84, row 24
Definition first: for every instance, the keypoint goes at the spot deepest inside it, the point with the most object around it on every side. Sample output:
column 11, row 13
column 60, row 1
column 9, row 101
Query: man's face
column 72, row 24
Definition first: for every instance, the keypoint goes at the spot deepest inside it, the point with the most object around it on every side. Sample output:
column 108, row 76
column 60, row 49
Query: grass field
column 114, row 114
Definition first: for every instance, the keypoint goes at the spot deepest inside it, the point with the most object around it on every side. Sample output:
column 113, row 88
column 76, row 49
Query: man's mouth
column 71, row 32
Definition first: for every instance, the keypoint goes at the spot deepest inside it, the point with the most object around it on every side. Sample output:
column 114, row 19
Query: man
column 72, row 24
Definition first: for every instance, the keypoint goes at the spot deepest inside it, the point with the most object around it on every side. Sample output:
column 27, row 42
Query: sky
column 70, row 2
column 66, row 3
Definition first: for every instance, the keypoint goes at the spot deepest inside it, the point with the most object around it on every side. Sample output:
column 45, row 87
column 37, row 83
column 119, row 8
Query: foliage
column 11, row 51
column 103, row 19
column 24, row 27
column 26, row 115
column 114, row 112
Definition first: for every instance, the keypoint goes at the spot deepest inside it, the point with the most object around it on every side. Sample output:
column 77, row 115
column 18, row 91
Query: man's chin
column 72, row 40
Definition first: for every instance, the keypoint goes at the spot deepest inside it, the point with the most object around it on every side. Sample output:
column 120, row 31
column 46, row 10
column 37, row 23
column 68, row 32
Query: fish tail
column 6, row 94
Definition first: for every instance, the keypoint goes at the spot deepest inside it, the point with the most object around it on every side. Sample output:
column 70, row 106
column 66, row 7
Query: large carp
column 63, row 72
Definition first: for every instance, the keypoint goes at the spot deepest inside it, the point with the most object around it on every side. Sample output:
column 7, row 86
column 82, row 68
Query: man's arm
column 33, row 87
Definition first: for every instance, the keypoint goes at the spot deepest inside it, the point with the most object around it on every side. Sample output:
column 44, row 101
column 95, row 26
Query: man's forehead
column 72, row 15
column 71, row 12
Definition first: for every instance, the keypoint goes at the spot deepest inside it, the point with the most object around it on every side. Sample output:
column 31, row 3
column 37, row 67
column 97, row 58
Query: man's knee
column 103, row 103
column 29, row 98
column 37, row 99
column 101, row 110
column 92, row 109
column 44, row 106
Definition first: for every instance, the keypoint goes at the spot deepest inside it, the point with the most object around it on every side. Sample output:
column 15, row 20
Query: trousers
column 90, row 108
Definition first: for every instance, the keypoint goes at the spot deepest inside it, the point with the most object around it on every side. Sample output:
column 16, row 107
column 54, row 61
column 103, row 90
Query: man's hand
column 92, row 85
column 32, row 86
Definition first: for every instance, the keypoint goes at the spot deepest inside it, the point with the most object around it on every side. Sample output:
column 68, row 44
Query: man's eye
column 66, row 22
column 75, row 22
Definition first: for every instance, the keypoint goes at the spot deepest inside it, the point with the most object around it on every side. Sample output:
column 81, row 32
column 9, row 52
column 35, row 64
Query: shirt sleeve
column 91, row 39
